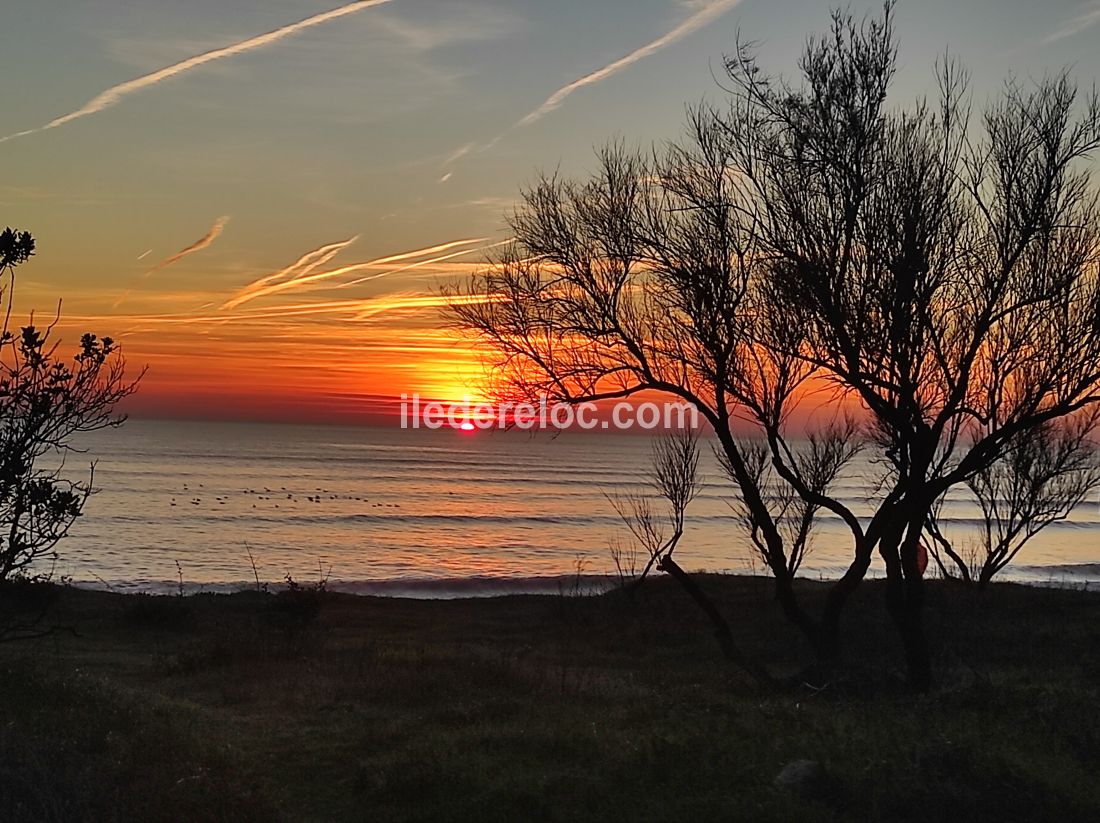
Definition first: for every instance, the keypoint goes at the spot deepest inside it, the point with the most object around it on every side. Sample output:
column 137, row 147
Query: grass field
column 261, row 707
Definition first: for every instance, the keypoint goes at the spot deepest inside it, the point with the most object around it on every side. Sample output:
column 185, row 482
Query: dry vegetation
column 256, row 706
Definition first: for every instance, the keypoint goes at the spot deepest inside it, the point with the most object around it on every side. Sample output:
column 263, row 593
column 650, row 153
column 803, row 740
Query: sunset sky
column 259, row 198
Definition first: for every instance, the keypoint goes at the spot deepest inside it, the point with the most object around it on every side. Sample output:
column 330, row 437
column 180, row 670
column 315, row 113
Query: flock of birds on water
column 266, row 494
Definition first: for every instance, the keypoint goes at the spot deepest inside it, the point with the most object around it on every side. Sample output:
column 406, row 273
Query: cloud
column 416, row 302
column 113, row 95
column 1089, row 16
column 498, row 204
column 266, row 286
column 465, row 23
column 459, row 153
column 200, row 244
column 704, row 14
column 304, row 264
column 422, row 263
column 355, row 309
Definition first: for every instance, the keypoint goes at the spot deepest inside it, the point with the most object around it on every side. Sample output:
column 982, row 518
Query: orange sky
column 287, row 355
column 260, row 199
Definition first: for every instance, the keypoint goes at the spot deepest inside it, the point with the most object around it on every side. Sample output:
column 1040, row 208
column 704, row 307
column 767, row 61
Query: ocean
column 425, row 513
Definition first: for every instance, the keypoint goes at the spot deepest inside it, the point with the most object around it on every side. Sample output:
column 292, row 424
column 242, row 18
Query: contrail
column 304, row 264
column 200, row 244
column 383, row 305
column 1087, row 18
column 459, row 153
column 183, row 318
column 113, row 95
column 421, row 264
column 358, row 309
column 705, row 15
column 251, row 293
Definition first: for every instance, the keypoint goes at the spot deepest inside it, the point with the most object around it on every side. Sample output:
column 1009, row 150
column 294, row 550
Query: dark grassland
column 316, row 707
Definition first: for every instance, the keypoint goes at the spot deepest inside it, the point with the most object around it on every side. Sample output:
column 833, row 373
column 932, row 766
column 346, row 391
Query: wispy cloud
column 416, row 302
column 305, row 264
column 706, row 13
column 448, row 24
column 268, row 285
column 1088, row 17
column 354, row 309
column 497, row 204
column 431, row 261
column 113, row 95
column 200, row 244
column 459, row 153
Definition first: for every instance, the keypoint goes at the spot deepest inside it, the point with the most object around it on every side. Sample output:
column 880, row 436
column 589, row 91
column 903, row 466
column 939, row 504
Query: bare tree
column 1044, row 475
column 45, row 401
column 818, row 462
column 644, row 278
column 648, row 277
column 946, row 284
column 674, row 477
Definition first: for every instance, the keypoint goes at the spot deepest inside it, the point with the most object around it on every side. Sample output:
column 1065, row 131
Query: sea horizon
column 444, row 513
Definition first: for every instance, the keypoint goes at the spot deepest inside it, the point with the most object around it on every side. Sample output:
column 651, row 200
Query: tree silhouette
column 940, row 279
column 45, row 401
column 1044, row 474
column 947, row 283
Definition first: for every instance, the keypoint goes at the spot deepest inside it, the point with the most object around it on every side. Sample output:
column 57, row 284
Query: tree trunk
column 989, row 568
column 828, row 640
column 905, row 603
column 788, row 602
column 905, row 597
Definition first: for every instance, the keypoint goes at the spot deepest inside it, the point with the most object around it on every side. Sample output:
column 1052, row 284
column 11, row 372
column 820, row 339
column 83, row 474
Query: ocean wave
column 1071, row 575
column 419, row 588
column 1081, row 570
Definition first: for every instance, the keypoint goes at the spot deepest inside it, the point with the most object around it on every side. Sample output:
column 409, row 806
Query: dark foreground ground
column 253, row 706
